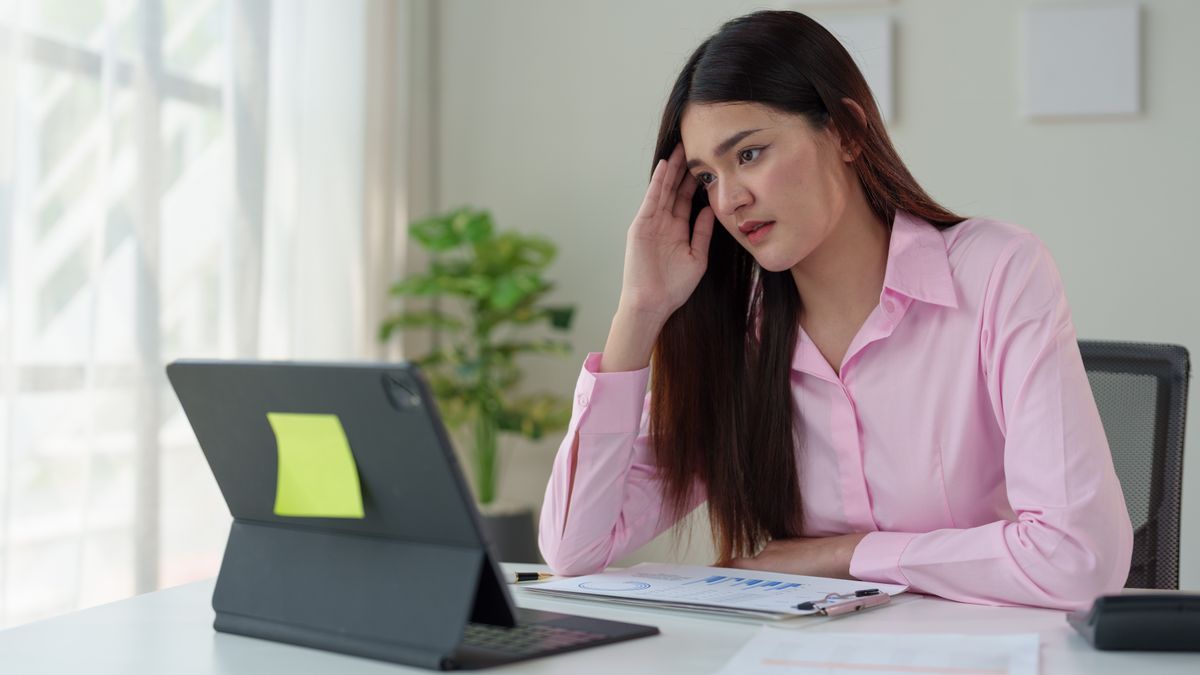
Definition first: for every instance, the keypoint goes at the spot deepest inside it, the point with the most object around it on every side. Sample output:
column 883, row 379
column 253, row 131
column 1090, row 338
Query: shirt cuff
column 613, row 401
column 877, row 557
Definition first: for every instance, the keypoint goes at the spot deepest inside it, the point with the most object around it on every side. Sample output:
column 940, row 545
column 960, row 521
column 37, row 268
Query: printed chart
column 756, row 593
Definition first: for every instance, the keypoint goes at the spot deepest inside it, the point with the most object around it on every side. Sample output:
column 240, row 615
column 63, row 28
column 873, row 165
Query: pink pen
column 855, row 604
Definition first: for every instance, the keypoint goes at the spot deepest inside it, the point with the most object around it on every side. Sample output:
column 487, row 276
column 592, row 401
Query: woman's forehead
column 705, row 127
column 706, row 115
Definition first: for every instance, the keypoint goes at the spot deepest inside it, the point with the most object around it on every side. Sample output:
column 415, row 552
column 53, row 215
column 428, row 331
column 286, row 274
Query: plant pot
column 511, row 533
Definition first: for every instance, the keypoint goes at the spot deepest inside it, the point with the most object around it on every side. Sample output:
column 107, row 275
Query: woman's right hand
column 662, row 264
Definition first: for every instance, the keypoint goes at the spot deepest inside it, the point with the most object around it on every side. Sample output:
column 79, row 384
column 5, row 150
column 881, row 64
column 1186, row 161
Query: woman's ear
column 851, row 150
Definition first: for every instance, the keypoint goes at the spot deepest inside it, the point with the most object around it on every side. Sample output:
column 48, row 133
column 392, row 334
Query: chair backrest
column 1141, row 391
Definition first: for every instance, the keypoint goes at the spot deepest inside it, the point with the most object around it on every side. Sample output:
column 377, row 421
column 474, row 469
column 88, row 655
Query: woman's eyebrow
column 725, row 146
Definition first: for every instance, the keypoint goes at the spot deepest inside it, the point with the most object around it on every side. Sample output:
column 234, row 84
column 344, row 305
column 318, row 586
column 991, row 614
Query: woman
column 859, row 382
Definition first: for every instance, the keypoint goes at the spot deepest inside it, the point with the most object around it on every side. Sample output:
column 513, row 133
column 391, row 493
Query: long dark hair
column 721, row 400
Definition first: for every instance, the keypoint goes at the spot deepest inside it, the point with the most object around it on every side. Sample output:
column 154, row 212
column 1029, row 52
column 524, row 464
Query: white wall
column 549, row 112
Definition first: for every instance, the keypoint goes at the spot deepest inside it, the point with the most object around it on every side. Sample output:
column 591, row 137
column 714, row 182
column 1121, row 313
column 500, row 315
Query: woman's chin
column 771, row 263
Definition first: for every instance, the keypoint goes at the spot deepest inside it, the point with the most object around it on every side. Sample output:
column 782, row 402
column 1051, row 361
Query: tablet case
column 399, row 584
column 372, row 597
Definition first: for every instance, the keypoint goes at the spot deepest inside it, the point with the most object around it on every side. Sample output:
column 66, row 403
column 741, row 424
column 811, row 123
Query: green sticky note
column 317, row 476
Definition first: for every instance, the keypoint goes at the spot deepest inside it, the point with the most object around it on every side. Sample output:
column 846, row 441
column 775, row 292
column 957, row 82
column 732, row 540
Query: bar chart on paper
column 757, row 594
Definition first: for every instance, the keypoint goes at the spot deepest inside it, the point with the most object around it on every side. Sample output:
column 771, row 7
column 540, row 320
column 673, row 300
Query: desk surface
column 170, row 631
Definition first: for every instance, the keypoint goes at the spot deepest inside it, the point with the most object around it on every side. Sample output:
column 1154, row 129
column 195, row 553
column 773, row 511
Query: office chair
column 1141, row 391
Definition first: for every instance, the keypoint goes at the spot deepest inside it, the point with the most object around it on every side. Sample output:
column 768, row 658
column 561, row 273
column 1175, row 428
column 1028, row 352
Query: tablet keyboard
column 528, row 639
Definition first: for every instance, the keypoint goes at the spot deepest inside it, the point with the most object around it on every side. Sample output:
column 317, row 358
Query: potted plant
column 485, row 286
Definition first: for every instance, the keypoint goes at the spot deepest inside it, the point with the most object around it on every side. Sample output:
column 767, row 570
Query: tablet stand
column 401, row 601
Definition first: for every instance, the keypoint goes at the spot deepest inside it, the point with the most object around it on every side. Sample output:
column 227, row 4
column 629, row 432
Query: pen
column 532, row 576
column 857, row 605
column 835, row 604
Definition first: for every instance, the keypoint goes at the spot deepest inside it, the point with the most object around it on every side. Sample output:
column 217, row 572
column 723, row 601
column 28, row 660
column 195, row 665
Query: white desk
column 171, row 632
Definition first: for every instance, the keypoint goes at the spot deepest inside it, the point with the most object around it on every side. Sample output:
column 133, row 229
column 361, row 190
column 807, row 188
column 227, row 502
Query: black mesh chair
column 1141, row 391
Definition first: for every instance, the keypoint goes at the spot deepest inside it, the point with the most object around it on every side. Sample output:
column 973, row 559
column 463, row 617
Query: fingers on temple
column 702, row 234
column 671, row 186
column 654, row 190
column 683, row 201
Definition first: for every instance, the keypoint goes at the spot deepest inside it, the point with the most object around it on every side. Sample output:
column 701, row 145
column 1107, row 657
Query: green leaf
column 418, row 319
column 469, row 286
column 505, row 294
column 508, row 292
column 478, row 227
column 515, row 289
column 451, row 268
column 436, row 283
column 510, row 252
column 418, row 284
column 435, row 234
column 546, row 346
column 448, row 231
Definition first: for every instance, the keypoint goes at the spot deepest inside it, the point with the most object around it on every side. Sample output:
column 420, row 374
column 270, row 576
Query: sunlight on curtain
column 147, row 214
column 314, row 209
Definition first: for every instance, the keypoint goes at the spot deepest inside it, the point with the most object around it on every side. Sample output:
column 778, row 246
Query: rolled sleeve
column 877, row 557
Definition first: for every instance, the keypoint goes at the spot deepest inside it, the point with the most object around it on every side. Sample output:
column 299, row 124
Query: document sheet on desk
column 777, row 651
column 762, row 595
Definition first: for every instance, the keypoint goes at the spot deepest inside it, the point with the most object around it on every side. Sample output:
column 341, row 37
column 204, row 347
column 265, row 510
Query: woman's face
column 763, row 167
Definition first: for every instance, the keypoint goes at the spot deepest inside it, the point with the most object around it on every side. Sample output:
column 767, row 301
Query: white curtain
column 314, row 208
column 178, row 178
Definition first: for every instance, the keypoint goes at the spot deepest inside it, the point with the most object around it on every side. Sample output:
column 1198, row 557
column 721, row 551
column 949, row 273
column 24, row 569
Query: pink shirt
column 961, row 434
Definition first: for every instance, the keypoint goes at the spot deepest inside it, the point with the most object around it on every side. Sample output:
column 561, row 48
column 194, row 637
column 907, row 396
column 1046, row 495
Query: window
column 141, row 221
column 115, row 235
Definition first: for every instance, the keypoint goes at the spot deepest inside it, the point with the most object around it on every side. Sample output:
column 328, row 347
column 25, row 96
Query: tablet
column 353, row 527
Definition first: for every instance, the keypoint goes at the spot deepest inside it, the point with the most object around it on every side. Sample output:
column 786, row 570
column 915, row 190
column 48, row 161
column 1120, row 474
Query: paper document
column 778, row 652
column 764, row 595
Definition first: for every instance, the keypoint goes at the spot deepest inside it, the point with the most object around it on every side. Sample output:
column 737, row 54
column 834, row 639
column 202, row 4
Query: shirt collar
column 918, row 266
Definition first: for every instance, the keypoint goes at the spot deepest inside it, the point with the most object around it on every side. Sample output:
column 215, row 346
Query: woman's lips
column 757, row 235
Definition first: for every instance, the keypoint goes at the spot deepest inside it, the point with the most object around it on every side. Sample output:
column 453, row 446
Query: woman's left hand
column 810, row 556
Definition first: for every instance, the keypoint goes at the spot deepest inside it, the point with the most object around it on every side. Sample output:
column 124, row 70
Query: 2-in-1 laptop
column 392, row 567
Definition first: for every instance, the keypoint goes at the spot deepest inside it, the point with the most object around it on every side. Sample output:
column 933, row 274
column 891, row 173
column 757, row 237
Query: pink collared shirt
column 961, row 435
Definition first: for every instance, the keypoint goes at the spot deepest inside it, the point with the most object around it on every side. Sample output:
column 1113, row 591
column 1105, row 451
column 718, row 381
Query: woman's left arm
column 1071, row 538
column 810, row 556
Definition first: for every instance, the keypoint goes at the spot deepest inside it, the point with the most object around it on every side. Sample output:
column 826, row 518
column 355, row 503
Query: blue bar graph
column 757, row 584
column 709, row 580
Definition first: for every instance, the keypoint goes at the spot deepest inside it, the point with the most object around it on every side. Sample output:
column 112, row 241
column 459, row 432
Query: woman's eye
column 749, row 154
column 705, row 179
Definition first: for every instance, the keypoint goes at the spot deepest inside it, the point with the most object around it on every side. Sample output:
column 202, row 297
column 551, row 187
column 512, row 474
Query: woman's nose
column 731, row 195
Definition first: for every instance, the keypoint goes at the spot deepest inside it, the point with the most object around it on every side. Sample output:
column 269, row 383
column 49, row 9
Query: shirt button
column 582, row 400
column 889, row 306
